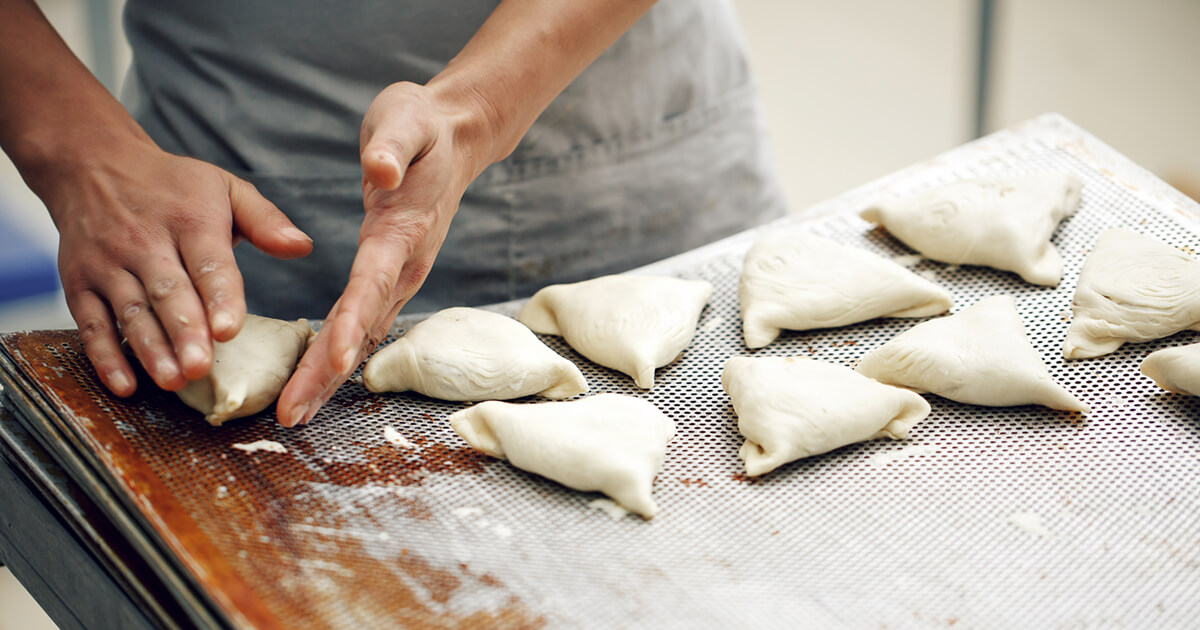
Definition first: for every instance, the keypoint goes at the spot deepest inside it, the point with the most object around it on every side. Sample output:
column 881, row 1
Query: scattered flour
column 1031, row 523
column 879, row 460
column 269, row 446
column 908, row 260
column 393, row 436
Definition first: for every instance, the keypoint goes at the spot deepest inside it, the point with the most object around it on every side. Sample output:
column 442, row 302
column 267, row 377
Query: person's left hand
column 416, row 164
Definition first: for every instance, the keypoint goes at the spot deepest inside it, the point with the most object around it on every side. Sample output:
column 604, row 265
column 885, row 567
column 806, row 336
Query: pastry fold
column 469, row 354
column 608, row 443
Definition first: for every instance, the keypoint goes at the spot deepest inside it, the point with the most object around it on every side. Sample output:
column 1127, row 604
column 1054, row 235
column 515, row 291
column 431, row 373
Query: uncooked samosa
column 795, row 407
column 1175, row 369
column 632, row 324
column 800, row 281
column 471, row 354
column 250, row 370
column 979, row 356
column 608, row 443
column 1132, row 288
column 1000, row 222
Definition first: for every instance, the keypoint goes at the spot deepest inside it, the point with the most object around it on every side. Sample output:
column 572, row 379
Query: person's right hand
column 146, row 253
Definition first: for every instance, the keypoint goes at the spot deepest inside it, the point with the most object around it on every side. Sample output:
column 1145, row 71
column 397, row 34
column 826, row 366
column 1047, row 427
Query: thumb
column 392, row 141
column 261, row 223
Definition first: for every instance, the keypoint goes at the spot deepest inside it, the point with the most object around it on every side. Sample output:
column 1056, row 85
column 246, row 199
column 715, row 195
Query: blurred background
column 853, row 90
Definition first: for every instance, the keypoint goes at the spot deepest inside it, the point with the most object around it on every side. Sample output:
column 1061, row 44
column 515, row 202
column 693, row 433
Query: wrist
column 49, row 154
column 479, row 125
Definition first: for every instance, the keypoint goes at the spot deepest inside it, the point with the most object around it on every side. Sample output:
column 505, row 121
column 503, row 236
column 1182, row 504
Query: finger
column 261, row 223
column 142, row 330
column 101, row 342
column 175, row 303
column 391, row 144
column 213, row 270
column 371, row 291
column 311, row 385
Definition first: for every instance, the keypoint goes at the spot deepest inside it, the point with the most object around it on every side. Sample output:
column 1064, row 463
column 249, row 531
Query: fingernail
column 349, row 359
column 165, row 369
column 118, row 382
column 193, row 355
column 222, row 321
column 295, row 234
column 312, row 409
column 299, row 414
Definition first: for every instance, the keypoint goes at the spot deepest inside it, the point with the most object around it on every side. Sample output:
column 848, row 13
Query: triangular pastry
column 250, row 370
column 1132, row 288
column 632, row 324
column 1000, row 222
column 800, row 281
column 469, row 354
column 1175, row 369
column 791, row 408
column 608, row 443
column 979, row 356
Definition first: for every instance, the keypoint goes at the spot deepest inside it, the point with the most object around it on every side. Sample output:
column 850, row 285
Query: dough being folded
column 1175, row 369
column 250, row 370
column 1000, row 222
column 471, row 354
column 979, row 356
column 791, row 408
column 608, row 443
column 1132, row 288
column 800, row 281
column 632, row 324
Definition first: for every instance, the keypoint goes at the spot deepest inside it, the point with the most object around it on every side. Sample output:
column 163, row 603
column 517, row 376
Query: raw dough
column 250, row 370
column 979, row 356
column 632, row 324
column 790, row 408
column 800, row 281
column 608, row 443
column 1000, row 222
column 1175, row 369
column 471, row 354
column 1131, row 288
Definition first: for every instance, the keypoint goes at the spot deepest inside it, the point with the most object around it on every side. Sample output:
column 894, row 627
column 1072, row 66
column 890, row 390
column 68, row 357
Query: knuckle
column 93, row 330
column 163, row 289
column 131, row 311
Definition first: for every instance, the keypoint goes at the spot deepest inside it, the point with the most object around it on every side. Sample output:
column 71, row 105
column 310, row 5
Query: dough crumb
column 712, row 324
column 392, row 435
column 908, row 260
column 1031, row 523
column 879, row 460
column 610, row 508
column 269, row 446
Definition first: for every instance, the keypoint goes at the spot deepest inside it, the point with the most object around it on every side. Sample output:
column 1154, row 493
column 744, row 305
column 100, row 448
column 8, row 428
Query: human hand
column 416, row 164
column 146, row 252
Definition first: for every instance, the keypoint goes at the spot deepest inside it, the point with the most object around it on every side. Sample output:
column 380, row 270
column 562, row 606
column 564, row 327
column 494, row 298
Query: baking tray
column 1007, row 517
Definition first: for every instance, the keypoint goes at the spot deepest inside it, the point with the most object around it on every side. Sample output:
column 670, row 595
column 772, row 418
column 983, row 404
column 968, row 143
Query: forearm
column 522, row 57
column 54, row 114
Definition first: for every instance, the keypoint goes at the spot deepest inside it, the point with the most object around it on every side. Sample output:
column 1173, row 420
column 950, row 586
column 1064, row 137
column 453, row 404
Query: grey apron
column 657, row 148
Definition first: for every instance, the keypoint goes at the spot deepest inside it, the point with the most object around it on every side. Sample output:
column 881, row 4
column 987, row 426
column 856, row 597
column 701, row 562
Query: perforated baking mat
column 983, row 518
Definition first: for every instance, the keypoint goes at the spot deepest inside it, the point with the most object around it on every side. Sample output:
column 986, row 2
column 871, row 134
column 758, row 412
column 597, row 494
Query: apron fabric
column 658, row 147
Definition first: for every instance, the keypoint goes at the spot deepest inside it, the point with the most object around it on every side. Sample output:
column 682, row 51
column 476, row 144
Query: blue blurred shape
column 26, row 269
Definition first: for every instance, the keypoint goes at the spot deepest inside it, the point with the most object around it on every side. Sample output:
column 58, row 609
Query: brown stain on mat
column 254, row 529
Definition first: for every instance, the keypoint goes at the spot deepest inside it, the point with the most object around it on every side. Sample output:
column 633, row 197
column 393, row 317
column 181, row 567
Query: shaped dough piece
column 1131, row 288
column 471, row 354
column 1000, row 222
column 800, row 281
column 979, row 356
column 1175, row 369
column 608, row 443
column 791, row 408
column 632, row 324
column 250, row 370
